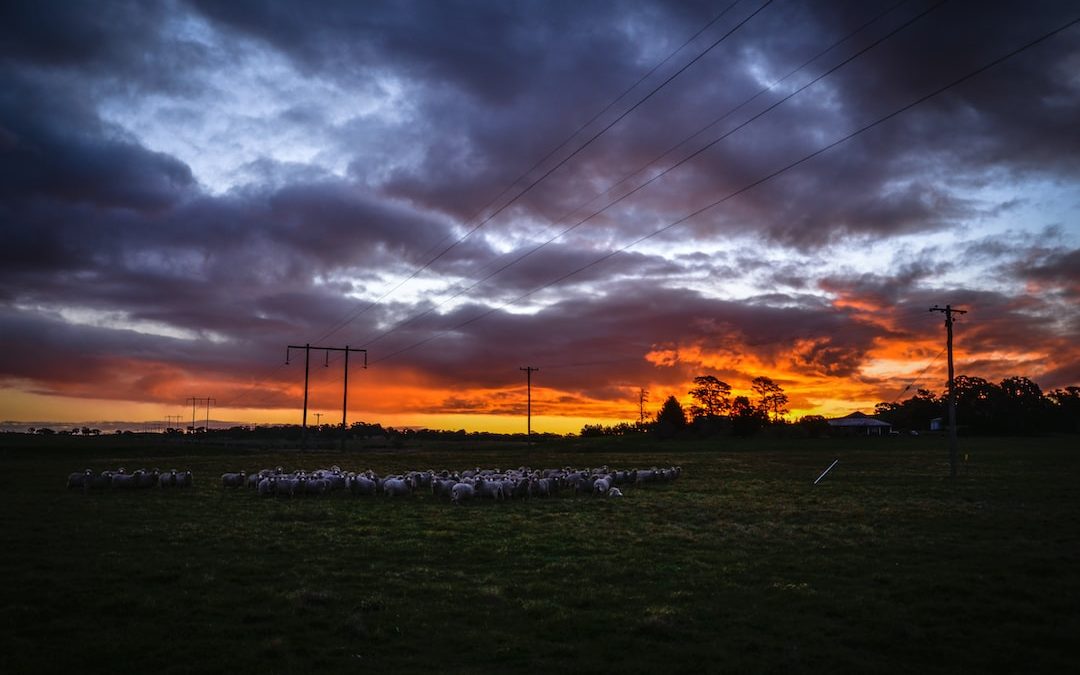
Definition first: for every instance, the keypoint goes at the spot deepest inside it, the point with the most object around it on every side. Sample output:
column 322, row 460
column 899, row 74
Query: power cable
column 564, row 160
column 881, row 120
column 349, row 319
column 371, row 339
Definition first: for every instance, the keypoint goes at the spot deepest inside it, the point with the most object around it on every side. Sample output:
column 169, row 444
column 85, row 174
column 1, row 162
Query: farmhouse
column 860, row 424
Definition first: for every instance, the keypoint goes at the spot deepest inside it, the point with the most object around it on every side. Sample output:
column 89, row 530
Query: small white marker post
column 835, row 462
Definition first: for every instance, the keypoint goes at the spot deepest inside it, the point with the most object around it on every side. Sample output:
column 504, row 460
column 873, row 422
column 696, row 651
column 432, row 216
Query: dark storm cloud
column 902, row 177
column 488, row 51
column 119, row 46
column 1059, row 270
column 59, row 33
column 54, row 149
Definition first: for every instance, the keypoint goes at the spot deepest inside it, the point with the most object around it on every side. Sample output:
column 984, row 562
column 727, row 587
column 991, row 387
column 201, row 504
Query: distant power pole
column 529, row 370
column 318, row 420
column 643, row 398
column 205, row 399
column 948, row 311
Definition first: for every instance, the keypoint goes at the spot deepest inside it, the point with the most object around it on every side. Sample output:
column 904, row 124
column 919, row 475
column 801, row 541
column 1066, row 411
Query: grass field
column 742, row 565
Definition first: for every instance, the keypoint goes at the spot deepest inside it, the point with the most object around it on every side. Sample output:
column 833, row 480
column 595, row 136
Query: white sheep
column 146, row 479
column 316, row 486
column 233, row 480
column 79, row 478
column 614, row 492
column 462, row 492
column 490, row 488
column 396, row 487
column 125, row 481
column 602, row 485
column 362, row 485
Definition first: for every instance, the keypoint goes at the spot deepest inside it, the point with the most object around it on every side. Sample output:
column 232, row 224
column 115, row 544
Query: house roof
column 857, row 419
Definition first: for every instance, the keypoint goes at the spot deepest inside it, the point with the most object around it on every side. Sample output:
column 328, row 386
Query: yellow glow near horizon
column 30, row 407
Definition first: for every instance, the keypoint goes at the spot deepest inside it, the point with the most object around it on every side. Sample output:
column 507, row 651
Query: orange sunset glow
column 593, row 201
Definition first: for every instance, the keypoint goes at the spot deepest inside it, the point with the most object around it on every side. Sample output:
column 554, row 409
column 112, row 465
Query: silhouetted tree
column 711, row 395
column 1025, row 409
column 1065, row 409
column 671, row 419
column 813, row 426
column 914, row 413
column 746, row 418
column 771, row 397
column 977, row 404
column 1015, row 406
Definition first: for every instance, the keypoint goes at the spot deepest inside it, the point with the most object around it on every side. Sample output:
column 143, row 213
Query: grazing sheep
column 462, row 492
column 184, row 479
column 316, row 486
column 233, row 480
column 167, row 479
column 267, row 486
column 614, row 492
column 443, row 487
column 602, row 485
column 336, row 481
column 396, row 487
column 286, row 486
column 362, row 486
column 489, row 488
column 98, row 482
column 125, row 481
column 541, row 487
column 79, row 479
column 146, row 479
column 521, row 489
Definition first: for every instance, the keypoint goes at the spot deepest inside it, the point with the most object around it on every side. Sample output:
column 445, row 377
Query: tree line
column 1016, row 405
column 713, row 411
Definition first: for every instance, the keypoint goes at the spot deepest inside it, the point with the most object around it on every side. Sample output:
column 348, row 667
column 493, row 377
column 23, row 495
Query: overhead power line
column 749, row 186
column 375, row 337
column 352, row 317
column 918, row 377
column 528, row 188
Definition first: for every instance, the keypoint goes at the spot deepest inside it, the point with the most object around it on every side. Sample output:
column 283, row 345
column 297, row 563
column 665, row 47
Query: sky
column 624, row 195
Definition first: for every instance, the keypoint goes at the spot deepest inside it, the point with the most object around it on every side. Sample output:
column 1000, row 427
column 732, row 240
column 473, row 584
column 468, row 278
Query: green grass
column 740, row 566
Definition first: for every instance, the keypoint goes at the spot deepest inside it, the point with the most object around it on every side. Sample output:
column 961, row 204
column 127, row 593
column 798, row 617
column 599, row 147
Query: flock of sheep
column 457, row 487
column 120, row 479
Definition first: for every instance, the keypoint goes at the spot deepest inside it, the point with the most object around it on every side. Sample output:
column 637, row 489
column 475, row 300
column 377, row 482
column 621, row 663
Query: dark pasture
column 742, row 565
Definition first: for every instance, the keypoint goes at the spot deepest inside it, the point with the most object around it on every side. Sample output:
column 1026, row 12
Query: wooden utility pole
column 948, row 311
column 529, row 370
column 307, row 371
column 205, row 399
column 345, row 403
column 345, row 396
